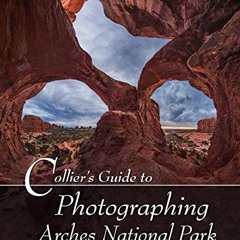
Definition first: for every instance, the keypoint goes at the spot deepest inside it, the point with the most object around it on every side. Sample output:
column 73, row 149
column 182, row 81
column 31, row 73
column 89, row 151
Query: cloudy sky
column 121, row 56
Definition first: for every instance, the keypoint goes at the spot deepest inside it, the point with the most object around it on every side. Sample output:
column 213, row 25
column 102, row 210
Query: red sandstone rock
column 32, row 123
column 72, row 7
column 207, row 125
column 156, row 18
column 204, row 50
column 32, row 54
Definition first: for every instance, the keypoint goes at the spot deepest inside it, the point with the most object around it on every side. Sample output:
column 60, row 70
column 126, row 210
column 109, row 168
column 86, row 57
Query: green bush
column 205, row 143
column 31, row 148
column 43, row 149
column 182, row 153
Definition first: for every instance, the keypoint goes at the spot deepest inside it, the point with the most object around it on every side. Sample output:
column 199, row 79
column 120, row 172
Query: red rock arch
column 207, row 69
column 38, row 45
column 33, row 53
column 204, row 50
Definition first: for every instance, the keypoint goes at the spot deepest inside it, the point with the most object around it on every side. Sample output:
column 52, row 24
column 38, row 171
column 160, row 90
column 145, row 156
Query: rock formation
column 207, row 125
column 32, row 123
column 204, row 50
column 38, row 45
column 72, row 7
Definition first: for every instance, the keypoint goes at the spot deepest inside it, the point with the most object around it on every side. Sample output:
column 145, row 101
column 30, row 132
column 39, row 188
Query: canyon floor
column 188, row 144
column 65, row 144
column 61, row 143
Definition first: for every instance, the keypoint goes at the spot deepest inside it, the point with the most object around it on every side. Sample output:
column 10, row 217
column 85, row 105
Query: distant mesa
column 207, row 125
column 36, row 124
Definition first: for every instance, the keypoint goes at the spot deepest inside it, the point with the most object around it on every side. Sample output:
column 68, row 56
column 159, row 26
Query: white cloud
column 181, row 104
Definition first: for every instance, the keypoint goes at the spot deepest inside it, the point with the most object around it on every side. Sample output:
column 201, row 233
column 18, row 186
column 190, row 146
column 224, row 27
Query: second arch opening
column 188, row 119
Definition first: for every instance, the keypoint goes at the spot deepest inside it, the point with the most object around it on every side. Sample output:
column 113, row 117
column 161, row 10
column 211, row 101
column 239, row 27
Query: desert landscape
column 44, row 140
column 128, row 55
column 203, row 49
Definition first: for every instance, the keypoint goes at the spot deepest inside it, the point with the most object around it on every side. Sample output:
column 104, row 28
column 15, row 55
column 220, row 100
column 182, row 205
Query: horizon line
column 179, row 127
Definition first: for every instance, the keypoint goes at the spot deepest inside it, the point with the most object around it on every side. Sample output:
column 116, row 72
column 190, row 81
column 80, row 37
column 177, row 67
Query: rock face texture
column 166, row 19
column 72, row 7
column 207, row 125
column 133, row 140
column 32, row 123
column 204, row 50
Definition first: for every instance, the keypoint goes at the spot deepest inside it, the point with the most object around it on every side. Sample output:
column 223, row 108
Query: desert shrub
column 43, row 149
column 43, row 138
column 171, row 148
column 196, row 161
column 204, row 142
column 61, row 154
column 191, row 144
column 30, row 148
column 174, row 137
column 182, row 153
column 199, row 157
column 76, row 155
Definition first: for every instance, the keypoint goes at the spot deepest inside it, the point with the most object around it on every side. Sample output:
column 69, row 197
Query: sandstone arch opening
column 188, row 118
column 203, row 50
column 112, row 48
column 58, row 119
